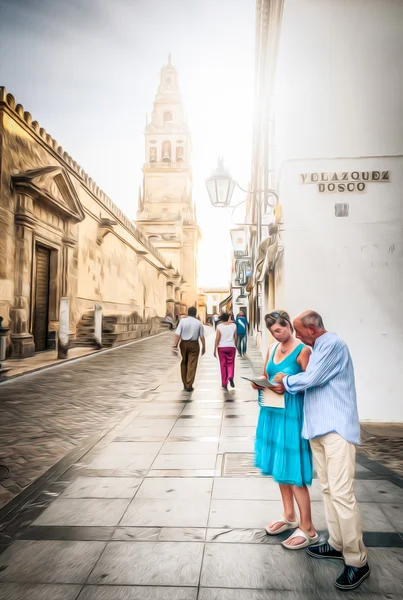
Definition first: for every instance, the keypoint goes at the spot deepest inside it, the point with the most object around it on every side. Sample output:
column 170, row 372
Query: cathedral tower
column 166, row 213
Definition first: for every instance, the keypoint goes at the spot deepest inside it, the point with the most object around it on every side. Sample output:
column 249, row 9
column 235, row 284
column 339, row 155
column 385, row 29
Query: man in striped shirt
column 332, row 426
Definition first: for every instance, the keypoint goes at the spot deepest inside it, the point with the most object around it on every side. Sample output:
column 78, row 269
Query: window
column 179, row 154
column 166, row 151
column 153, row 155
column 167, row 116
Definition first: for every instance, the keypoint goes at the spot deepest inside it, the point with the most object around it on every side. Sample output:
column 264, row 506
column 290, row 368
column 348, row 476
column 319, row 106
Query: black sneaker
column 324, row 551
column 231, row 382
column 352, row 577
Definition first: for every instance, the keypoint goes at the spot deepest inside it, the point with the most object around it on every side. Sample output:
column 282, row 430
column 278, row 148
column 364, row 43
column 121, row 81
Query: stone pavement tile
column 175, row 488
column 254, row 566
column 183, row 473
column 155, row 426
column 239, row 421
column 238, row 431
column 180, row 430
column 49, row 561
column 384, row 491
column 167, row 512
column 94, row 592
column 199, row 421
column 183, row 461
column 102, row 487
column 189, row 448
column 125, row 455
column 197, row 407
column 122, row 534
column 93, row 512
column 372, row 517
column 235, row 446
column 236, row 594
column 244, row 536
column 163, row 410
column 26, row 591
column 394, row 513
column 243, row 513
column 245, row 488
column 182, row 534
column 148, row 563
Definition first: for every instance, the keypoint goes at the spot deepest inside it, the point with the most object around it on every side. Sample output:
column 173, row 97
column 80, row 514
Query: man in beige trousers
column 332, row 426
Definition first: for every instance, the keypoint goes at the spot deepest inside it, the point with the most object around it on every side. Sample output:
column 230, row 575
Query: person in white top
column 225, row 344
column 188, row 333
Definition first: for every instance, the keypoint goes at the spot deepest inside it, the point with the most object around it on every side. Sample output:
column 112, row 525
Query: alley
column 168, row 506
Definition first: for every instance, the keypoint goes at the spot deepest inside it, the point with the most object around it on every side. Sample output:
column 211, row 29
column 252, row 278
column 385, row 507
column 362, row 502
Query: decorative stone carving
column 52, row 187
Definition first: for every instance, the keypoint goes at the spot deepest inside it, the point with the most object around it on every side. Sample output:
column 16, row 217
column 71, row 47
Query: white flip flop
column 287, row 525
column 309, row 541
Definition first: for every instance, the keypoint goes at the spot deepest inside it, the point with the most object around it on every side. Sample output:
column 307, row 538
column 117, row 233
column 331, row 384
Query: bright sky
column 88, row 70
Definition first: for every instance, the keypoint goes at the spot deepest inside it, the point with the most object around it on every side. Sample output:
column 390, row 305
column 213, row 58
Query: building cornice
column 17, row 112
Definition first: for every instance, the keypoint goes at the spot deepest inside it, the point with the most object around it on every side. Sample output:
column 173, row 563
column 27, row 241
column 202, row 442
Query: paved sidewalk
column 168, row 506
column 45, row 415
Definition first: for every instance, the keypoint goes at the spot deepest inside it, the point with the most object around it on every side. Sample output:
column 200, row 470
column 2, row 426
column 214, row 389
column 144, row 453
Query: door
column 41, row 310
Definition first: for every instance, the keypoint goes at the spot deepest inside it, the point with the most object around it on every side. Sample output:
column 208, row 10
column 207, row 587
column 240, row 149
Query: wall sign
column 346, row 181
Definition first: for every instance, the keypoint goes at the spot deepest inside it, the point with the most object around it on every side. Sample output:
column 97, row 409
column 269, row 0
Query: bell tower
column 166, row 214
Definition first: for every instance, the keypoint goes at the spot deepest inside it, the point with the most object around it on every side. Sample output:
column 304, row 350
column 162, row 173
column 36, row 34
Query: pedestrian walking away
column 280, row 450
column 331, row 423
column 225, row 345
column 190, row 330
column 242, row 332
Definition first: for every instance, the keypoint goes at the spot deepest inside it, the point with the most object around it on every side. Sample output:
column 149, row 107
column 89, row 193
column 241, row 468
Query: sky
column 88, row 71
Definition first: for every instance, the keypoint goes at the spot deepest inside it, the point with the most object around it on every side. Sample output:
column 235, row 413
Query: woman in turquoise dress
column 280, row 450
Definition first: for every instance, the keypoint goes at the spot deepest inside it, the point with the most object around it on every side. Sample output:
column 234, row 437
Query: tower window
column 153, row 155
column 167, row 116
column 179, row 153
column 168, row 82
column 166, row 151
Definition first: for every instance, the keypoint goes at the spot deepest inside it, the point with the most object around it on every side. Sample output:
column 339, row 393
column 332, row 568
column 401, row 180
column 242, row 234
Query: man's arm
column 203, row 343
column 322, row 367
column 178, row 335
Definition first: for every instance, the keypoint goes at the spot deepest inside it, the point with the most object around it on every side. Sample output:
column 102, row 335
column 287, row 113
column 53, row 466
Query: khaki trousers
column 190, row 355
column 335, row 465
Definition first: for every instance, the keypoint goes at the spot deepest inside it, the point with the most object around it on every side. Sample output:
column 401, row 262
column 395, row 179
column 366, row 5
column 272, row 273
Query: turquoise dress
column 280, row 450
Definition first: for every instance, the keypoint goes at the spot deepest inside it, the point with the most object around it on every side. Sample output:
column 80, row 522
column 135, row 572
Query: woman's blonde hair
column 281, row 317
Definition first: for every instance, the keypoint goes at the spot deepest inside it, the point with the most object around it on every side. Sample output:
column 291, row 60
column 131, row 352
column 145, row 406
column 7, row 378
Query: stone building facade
column 166, row 212
column 62, row 237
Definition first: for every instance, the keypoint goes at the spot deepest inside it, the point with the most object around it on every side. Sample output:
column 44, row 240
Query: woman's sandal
column 285, row 527
column 309, row 541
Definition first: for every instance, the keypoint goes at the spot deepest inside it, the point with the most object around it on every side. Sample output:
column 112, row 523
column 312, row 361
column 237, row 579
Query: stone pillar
column 21, row 339
column 98, row 325
column 63, row 341
column 3, row 339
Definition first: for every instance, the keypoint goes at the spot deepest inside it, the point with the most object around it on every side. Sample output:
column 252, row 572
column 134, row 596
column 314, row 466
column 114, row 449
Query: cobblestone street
column 45, row 415
column 167, row 504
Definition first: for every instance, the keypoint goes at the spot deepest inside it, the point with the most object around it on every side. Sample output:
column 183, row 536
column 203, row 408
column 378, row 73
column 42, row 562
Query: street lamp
column 220, row 187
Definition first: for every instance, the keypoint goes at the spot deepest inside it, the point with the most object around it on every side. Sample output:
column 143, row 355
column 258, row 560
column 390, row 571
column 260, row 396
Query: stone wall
column 97, row 254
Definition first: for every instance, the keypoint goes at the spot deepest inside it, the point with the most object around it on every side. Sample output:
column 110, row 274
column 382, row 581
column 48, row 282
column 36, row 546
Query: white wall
column 350, row 270
column 339, row 84
column 340, row 95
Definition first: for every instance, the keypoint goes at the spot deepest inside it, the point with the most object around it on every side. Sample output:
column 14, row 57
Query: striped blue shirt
column 330, row 404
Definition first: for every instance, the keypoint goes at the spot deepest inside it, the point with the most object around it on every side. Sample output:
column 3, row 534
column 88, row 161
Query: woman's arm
column 303, row 358
column 217, row 340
